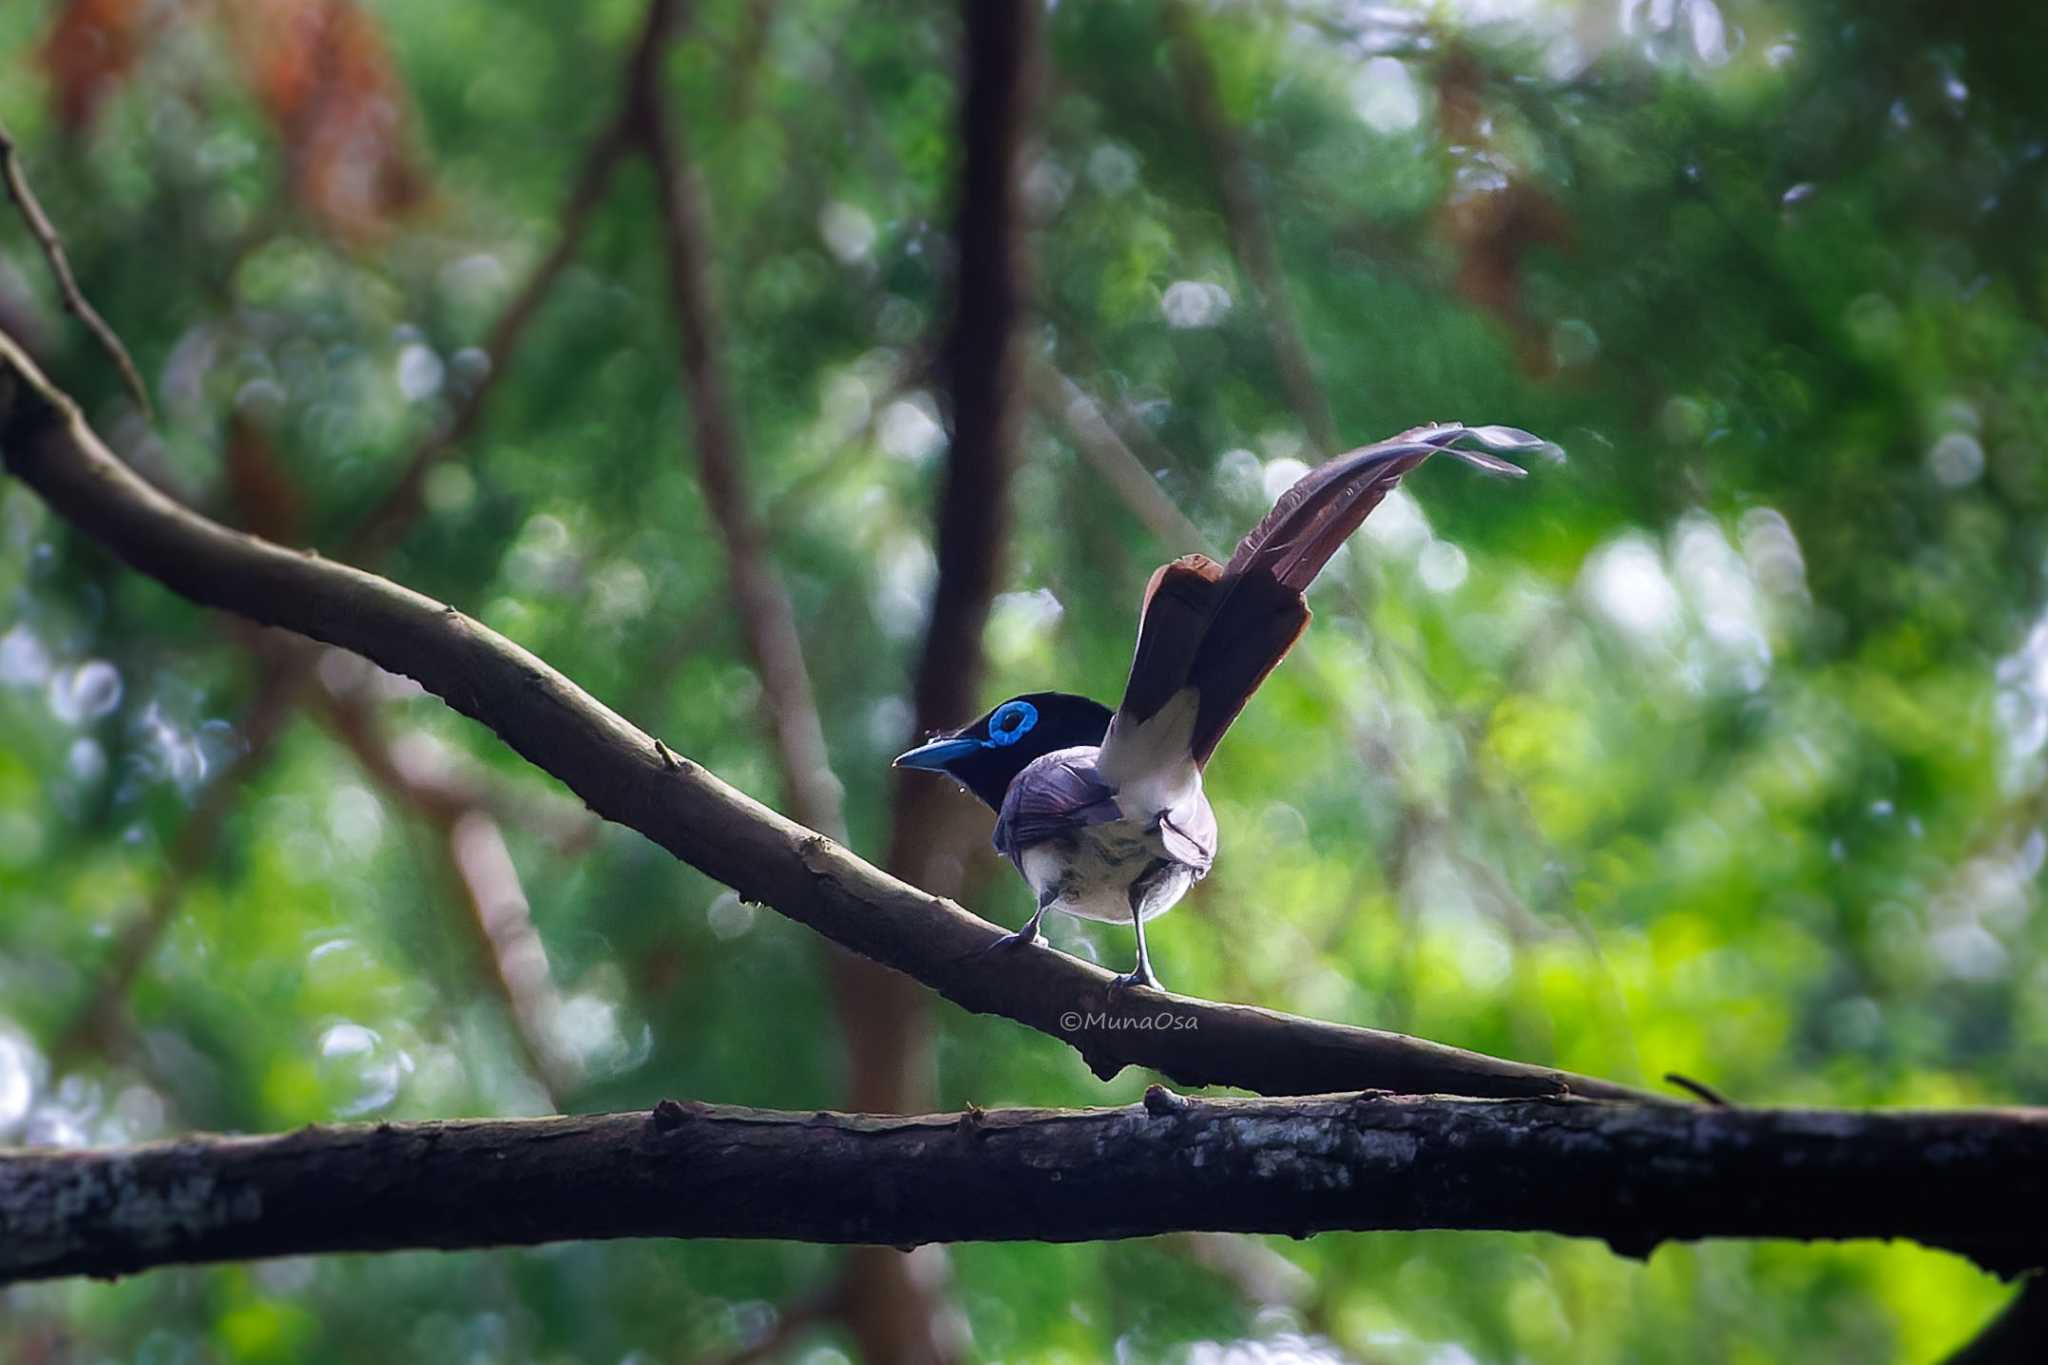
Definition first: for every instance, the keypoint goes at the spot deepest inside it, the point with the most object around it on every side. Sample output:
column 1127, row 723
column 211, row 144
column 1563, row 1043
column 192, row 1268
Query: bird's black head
column 985, row 756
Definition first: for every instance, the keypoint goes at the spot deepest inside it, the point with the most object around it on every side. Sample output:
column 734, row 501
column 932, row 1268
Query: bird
column 1102, row 812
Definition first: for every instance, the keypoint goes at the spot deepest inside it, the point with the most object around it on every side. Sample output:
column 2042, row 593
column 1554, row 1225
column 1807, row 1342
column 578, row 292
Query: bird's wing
column 1220, row 629
column 1056, row 794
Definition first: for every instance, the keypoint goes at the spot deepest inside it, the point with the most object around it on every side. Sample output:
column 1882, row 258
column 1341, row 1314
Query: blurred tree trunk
column 934, row 829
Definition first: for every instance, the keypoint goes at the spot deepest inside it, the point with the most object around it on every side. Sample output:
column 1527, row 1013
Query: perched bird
column 1103, row 812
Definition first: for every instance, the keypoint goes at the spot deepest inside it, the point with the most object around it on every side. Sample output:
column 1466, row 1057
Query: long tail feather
column 1222, row 629
column 1296, row 539
column 1180, row 601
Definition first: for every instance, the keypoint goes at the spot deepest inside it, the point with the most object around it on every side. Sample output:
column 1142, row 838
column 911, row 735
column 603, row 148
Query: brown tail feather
column 1180, row 601
column 1296, row 539
column 1222, row 629
column 1257, row 623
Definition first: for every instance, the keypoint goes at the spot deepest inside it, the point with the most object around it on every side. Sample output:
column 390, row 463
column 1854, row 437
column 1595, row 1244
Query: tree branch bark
column 625, row 775
column 1971, row 1182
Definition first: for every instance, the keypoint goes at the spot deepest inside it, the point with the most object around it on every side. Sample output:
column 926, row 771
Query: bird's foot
column 1140, row 976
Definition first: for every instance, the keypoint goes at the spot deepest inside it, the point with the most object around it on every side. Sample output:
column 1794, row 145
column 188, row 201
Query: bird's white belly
column 1092, row 870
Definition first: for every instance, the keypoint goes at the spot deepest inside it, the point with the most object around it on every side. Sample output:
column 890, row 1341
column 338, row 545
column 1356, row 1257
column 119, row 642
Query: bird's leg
column 1030, row 936
column 1140, row 975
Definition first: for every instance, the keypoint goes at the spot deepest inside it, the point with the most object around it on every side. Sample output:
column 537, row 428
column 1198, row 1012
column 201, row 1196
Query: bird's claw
column 1139, row 977
column 1032, row 938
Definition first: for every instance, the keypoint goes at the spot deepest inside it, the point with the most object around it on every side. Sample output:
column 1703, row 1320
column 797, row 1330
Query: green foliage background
column 1717, row 749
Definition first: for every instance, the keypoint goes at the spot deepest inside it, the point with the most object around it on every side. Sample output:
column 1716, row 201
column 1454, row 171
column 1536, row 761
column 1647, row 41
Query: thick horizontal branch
column 1973, row 1182
column 627, row 776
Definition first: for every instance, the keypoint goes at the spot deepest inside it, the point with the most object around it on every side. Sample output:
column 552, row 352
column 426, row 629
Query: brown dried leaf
column 321, row 70
column 92, row 48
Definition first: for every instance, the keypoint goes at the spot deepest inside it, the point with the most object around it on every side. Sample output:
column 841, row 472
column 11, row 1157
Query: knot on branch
column 669, row 1115
column 815, row 851
column 1161, row 1102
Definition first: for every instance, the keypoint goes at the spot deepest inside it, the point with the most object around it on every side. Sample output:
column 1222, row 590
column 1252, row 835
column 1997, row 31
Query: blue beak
column 934, row 757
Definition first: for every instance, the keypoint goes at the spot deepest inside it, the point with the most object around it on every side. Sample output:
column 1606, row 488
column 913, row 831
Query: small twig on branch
column 616, row 769
column 1706, row 1092
column 1974, row 1182
column 75, row 302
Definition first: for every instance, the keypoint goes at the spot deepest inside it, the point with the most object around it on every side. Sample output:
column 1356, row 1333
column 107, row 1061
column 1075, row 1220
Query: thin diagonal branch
column 1070, row 406
column 387, row 522
column 496, row 915
column 261, row 723
column 760, row 600
column 75, row 302
column 768, row 628
column 785, row 507
column 1250, row 236
column 625, row 775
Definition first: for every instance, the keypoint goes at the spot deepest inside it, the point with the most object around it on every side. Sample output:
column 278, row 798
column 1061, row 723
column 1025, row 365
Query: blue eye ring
column 1011, row 722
